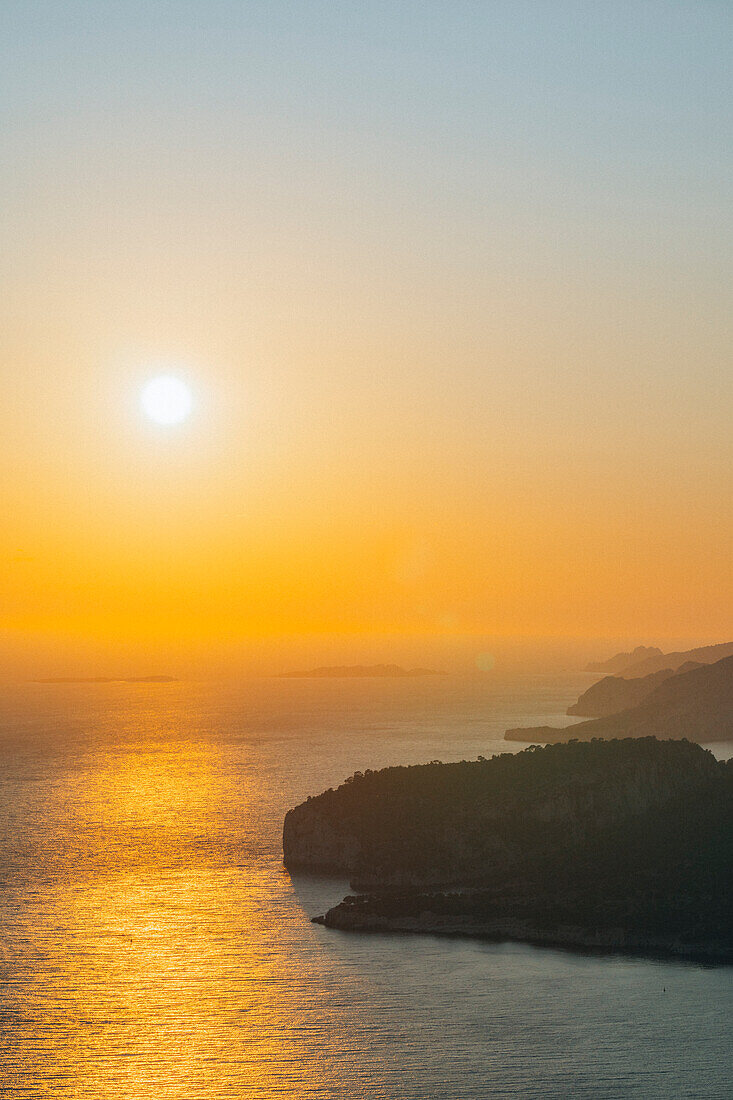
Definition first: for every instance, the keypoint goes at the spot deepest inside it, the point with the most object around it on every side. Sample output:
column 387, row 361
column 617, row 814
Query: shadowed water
column 153, row 946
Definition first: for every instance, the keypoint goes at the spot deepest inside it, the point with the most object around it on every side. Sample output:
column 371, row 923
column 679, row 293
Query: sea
column 153, row 946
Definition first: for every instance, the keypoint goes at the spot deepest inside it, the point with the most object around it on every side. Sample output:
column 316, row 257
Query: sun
column 166, row 399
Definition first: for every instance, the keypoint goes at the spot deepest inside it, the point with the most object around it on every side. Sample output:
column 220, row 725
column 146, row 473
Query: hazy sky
column 451, row 283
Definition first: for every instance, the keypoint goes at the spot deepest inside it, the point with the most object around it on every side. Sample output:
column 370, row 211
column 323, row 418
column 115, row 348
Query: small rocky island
column 360, row 672
column 617, row 845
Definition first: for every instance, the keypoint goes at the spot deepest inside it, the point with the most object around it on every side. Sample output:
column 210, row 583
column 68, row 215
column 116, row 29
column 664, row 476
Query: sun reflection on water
column 152, row 946
column 158, row 975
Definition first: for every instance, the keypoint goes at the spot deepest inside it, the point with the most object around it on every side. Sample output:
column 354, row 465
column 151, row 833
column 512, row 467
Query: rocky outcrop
column 616, row 693
column 644, row 660
column 622, row 661
column 695, row 705
column 703, row 655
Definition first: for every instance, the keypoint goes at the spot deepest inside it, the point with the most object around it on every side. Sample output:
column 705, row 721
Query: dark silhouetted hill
column 622, row 845
column 456, row 822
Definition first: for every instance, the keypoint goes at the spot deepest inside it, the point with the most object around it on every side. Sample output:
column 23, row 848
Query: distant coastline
column 359, row 672
column 696, row 705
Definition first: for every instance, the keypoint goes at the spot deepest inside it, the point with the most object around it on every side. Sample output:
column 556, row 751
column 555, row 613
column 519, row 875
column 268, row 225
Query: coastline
column 347, row 918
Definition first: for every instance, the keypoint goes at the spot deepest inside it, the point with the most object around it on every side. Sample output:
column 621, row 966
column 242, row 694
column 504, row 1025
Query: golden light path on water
column 153, row 946
column 170, row 987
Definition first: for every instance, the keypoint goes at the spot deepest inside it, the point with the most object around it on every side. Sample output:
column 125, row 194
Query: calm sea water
column 152, row 945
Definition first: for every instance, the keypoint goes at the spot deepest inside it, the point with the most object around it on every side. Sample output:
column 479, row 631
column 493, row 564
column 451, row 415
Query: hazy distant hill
column 614, row 693
column 704, row 655
column 363, row 671
column 622, row 661
column 696, row 705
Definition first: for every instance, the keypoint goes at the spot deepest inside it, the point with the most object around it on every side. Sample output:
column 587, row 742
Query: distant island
column 621, row 845
column 696, row 705
column 361, row 671
column 107, row 680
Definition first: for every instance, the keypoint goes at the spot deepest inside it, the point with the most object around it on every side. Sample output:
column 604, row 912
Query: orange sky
column 457, row 379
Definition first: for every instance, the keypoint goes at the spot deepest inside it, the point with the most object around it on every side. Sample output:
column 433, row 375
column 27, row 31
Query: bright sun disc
column 166, row 399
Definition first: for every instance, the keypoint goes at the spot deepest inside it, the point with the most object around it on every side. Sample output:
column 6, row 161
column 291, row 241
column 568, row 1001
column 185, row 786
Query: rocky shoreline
column 349, row 918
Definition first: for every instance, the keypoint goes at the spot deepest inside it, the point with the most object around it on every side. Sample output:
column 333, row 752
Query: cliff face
column 466, row 823
column 313, row 842
column 696, row 705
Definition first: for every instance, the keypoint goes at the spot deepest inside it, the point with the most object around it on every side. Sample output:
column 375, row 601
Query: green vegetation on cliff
column 459, row 822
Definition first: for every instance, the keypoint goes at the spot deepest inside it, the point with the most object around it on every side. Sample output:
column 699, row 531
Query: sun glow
column 166, row 399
